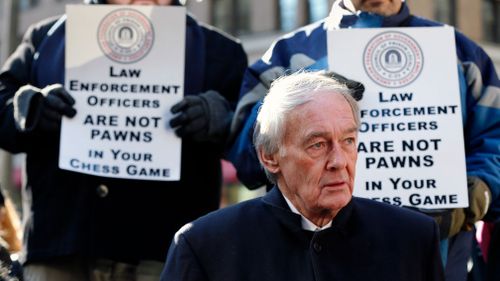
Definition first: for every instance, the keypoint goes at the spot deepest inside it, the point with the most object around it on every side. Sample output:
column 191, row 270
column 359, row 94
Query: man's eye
column 318, row 145
column 350, row 140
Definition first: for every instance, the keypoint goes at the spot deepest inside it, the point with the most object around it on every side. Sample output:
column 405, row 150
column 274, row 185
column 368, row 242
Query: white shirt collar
column 306, row 224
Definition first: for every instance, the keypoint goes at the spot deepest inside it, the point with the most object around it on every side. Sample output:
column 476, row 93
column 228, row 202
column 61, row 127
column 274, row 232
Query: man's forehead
column 319, row 117
column 324, row 102
column 340, row 126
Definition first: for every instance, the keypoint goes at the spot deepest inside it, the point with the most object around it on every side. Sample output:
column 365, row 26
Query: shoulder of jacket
column 45, row 24
column 210, row 30
column 463, row 41
column 305, row 31
column 233, row 214
column 298, row 38
column 420, row 21
column 38, row 31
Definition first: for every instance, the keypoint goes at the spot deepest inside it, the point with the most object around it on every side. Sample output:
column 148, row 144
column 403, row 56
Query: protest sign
column 411, row 147
column 125, row 69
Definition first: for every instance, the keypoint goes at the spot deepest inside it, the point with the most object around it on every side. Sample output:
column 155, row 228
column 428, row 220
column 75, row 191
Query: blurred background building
column 257, row 23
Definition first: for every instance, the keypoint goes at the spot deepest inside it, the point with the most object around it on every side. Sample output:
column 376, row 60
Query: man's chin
column 339, row 202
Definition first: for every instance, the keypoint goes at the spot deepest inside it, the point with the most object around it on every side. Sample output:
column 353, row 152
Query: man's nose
column 336, row 158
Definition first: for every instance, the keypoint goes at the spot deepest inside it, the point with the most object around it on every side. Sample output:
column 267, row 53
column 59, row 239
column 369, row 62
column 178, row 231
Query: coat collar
column 398, row 19
column 276, row 202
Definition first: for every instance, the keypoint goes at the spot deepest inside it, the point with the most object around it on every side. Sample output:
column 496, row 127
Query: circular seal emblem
column 125, row 35
column 393, row 59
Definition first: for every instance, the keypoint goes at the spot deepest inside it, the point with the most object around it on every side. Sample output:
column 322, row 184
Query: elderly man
column 308, row 227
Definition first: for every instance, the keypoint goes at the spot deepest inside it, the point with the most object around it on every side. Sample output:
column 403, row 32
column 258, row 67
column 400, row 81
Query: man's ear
column 269, row 161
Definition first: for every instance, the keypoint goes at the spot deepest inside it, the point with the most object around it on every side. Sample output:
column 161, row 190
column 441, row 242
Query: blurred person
column 306, row 48
column 10, row 244
column 309, row 226
column 9, row 225
column 83, row 227
column 493, row 262
column 486, row 255
column 10, row 270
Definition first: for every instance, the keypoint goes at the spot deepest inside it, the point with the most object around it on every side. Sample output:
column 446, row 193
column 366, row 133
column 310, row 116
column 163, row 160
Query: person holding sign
column 306, row 48
column 82, row 227
column 308, row 227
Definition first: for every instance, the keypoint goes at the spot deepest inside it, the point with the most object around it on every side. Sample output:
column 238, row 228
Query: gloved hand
column 357, row 88
column 455, row 220
column 205, row 117
column 40, row 110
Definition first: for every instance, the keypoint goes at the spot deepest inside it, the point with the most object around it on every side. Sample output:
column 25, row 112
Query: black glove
column 38, row 110
column 357, row 88
column 205, row 117
column 462, row 219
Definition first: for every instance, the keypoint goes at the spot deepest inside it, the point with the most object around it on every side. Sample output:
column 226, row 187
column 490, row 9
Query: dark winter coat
column 262, row 239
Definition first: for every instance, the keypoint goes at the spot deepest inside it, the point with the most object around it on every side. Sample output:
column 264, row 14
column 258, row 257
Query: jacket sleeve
column 480, row 89
column 225, row 65
column 182, row 264
column 255, row 85
column 15, row 73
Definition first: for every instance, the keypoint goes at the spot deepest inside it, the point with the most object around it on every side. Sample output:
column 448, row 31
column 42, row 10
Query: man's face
column 382, row 7
column 140, row 2
column 316, row 169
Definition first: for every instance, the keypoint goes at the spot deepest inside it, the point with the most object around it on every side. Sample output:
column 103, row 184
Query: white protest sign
column 125, row 69
column 411, row 147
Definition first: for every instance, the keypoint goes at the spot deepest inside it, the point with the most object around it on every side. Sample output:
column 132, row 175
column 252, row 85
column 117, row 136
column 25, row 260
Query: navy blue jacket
column 64, row 212
column 262, row 239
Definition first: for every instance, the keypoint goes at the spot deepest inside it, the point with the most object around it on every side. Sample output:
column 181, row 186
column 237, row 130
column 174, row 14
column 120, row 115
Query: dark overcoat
column 262, row 239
